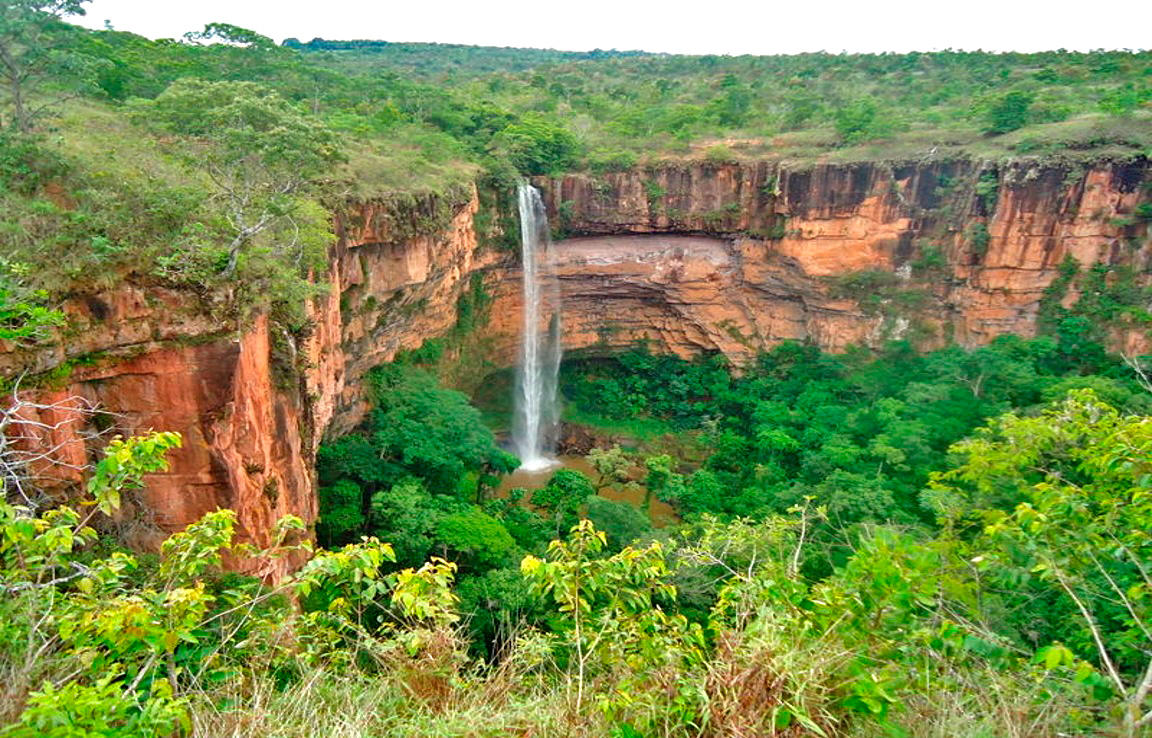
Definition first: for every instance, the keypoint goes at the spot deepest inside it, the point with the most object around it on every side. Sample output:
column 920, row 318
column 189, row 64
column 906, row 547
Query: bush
column 978, row 240
column 860, row 121
column 720, row 154
column 1008, row 112
column 620, row 522
column 611, row 160
column 25, row 164
column 106, row 710
column 536, row 146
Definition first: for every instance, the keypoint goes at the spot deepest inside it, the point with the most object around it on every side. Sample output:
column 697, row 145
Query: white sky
column 708, row 27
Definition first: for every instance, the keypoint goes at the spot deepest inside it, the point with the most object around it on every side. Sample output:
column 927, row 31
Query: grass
column 746, row 687
column 115, row 206
column 643, row 430
column 104, row 142
column 407, row 159
column 349, row 703
column 1085, row 138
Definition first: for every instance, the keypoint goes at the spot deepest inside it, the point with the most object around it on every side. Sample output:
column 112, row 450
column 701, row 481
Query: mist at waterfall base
column 536, row 422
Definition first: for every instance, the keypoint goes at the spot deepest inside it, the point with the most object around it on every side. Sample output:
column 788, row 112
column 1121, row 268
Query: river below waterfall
column 659, row 512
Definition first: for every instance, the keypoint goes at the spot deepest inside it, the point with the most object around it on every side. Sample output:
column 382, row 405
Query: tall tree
column 260, row 151
column 31, row 47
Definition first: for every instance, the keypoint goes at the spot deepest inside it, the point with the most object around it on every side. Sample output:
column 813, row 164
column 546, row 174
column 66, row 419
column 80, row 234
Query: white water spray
column 537, row 421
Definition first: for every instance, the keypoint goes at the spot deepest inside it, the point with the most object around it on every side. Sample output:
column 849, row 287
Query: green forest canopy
column 108, row 118
column 954, row 543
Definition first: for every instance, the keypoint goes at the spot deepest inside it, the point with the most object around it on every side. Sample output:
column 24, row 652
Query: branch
column 1136, row 618
column 79, row 570
column 34, row 435
column 1134, row 363
column 1142, row 694
column 1090, row 621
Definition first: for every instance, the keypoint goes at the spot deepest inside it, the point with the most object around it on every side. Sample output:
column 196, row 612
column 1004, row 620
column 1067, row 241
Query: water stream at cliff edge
column 537, row 421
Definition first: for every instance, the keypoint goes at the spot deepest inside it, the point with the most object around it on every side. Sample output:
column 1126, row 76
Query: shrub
column 536, row 146
column 978, row 239
column 1008, row 112
column 860, row 121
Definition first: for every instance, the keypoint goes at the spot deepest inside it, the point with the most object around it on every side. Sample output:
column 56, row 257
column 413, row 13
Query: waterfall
column 537, row 421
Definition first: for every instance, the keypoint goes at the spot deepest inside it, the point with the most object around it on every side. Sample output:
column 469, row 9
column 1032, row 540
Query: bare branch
column 78, row 570
column 43, row 444
column 1136, row 365
column 1093, row 628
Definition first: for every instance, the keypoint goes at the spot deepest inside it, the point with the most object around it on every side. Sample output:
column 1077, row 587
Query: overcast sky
column 709, row 27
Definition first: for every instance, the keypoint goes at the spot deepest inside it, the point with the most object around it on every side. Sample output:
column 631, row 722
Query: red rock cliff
column 251, row 403
column 690, row 257
column 967, row 249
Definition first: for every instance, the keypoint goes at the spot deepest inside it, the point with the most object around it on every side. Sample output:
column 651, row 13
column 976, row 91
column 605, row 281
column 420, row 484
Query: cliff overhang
column 687, row 257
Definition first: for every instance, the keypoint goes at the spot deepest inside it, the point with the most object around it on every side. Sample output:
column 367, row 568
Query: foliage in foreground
column 912, row 635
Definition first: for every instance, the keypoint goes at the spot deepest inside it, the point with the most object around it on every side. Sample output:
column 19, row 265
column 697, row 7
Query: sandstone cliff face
column 692, row 258
column 243, row 438
column 685, row 295
column 251, row 404
column 968, row 250
column 389, row 293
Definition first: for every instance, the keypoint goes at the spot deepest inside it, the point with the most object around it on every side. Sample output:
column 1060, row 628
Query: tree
column 406, row 516
column 562, row 497
column 731, row 107
column 1008, row 112
column 433, row 433
column 613, row 466
column 342, row 516
column 118, row 634
column 621, row 522
column 860, row 121
column 1126, row 99
column 260, row 152
column 1066, row 499
column 232, row 35
column 31, row 48
column 606, row 600
column 537, row 146
column 492, row 470
column 479, row 540
column 662, row 479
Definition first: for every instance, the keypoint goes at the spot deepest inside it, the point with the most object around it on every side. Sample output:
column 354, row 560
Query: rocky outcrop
column 389, row 292
column 834, row 254
column 245, row 441
column 685, row 295
column 689, row 257
column 251, row 403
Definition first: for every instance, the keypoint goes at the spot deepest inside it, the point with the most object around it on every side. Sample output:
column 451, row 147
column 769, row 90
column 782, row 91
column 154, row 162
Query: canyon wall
column 834, row 254
column 251, row 403
column 689, row 257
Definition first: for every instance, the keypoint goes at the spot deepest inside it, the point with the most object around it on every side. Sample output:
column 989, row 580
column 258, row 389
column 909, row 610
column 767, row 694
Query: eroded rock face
column 968, row 250
column 251, row 404
column 388, row 294
column 687, row 295
column 702, row 257
column 243, row 439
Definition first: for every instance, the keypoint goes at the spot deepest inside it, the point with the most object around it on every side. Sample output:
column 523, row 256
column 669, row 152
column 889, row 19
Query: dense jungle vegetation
column 951, row 544
column 881, row 543
column 199, row 160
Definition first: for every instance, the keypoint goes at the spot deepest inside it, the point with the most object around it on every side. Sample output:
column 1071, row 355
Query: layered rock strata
column 251, row 403
column 836, row 255
column 689, row 257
